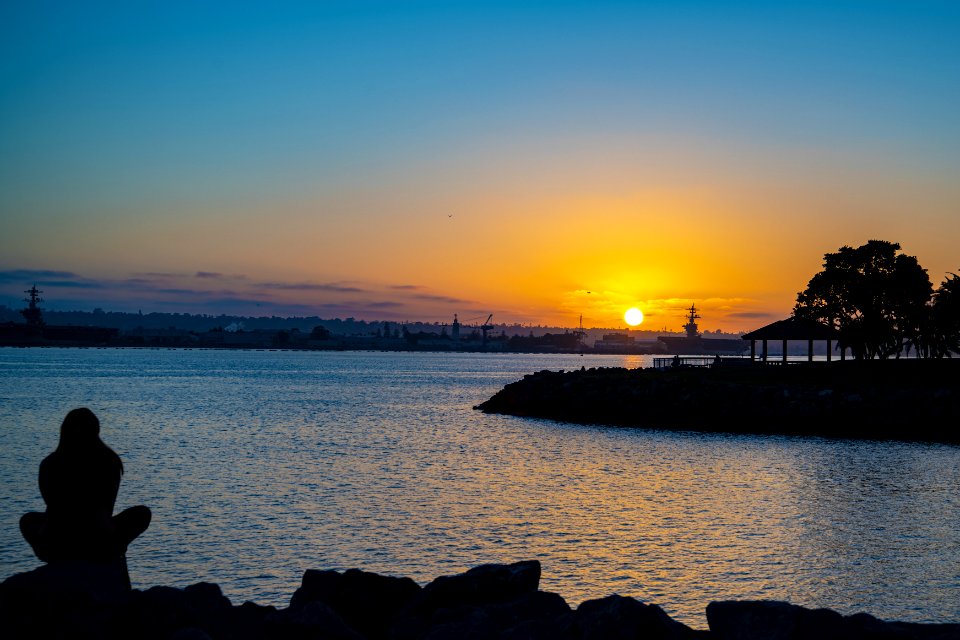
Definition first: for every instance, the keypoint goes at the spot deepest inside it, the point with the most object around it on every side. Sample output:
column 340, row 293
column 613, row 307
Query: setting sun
column 633, row 316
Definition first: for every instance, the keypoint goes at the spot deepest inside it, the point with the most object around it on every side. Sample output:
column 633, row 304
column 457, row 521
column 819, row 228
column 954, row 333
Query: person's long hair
column 80, row 438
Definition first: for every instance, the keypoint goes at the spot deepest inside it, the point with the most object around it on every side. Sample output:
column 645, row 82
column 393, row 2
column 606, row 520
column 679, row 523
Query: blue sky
column 125, row 120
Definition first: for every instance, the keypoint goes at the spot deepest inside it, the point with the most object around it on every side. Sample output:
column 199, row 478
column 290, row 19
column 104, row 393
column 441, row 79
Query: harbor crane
column 486, row 326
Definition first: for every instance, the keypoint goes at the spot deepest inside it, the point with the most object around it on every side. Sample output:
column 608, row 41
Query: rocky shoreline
column 915, row 400
column 81, row 600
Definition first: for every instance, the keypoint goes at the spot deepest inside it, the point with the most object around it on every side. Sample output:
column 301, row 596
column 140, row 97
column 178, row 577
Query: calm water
column 260, row 465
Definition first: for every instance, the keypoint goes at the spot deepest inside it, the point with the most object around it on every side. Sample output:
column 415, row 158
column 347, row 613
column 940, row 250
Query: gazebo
column 793, row 329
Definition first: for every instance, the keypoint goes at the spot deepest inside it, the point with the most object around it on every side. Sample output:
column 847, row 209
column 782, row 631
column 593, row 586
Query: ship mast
column 691, row 326
column 32, row 313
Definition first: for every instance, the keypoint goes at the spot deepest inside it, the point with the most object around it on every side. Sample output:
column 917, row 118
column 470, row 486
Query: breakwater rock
column 898, row 399
column 80, row 600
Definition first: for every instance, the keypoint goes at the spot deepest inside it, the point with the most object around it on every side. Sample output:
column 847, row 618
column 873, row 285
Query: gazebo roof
column 793, row 329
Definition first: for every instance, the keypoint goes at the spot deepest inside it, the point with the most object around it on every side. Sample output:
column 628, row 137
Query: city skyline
column 536, row 161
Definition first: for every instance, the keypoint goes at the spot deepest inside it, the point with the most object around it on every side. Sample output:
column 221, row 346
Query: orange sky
column 534, row 165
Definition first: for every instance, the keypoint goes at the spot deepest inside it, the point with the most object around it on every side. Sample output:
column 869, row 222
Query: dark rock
column 159, row 612
column 68, row 599
column 314, row 621
column 91, row 582
column 530, row 616
column 246, row 622
column 316, row 585
column 162, row 612
column 616, row 617
column 491, row 601
column 733, row 620
column 485, row 584
column 190, row 633
column 206, row 596
column 873, row 628
column 368, row 602
column 743, row 620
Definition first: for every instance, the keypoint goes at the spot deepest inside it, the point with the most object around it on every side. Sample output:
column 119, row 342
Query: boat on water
column 694, row 343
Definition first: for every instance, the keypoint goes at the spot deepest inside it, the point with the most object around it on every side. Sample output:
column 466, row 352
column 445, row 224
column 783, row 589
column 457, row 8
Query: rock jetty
column 80, row 600
column 898, row 399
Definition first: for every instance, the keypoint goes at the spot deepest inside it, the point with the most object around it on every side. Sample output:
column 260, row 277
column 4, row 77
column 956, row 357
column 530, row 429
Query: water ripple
column 260, row 465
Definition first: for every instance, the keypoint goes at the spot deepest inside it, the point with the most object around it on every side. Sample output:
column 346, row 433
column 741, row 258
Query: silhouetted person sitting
column 79, row 482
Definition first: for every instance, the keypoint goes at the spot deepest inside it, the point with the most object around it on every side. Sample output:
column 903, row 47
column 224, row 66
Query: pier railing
column 688, row 361
column 668, row 362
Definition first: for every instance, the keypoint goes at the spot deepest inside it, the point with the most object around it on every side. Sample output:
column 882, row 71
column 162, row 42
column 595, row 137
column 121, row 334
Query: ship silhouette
column 36, row 332
column 695, row 344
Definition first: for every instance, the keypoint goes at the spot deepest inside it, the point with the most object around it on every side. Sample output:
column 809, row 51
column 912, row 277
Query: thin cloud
column 216, row 275
column 307, row 286
column 183, row 292
column 427, row 297
column 437, row 298
column 71, row 284
column 21, row 275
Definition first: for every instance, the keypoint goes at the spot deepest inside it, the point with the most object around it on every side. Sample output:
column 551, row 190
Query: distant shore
column 332, row 346
column 913, row 400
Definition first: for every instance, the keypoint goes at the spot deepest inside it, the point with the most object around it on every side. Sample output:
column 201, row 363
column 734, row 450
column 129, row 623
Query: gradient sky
column 410, row 160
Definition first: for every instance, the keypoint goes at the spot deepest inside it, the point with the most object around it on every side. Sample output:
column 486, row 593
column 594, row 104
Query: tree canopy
column 945, row 319
column 878, row 299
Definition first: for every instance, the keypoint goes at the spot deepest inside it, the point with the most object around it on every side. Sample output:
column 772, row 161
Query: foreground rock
column 490, row 601
column 745, row 620
column 909, row 400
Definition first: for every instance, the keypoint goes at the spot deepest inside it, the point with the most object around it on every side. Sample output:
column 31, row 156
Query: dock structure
column 699, row 362
column 792, row 328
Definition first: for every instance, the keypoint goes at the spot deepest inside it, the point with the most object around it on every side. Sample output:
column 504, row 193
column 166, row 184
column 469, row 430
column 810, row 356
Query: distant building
column 614, row 342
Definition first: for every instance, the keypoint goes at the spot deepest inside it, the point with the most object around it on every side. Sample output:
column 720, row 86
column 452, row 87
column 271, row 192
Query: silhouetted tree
column 874, row 296
column 945, row 318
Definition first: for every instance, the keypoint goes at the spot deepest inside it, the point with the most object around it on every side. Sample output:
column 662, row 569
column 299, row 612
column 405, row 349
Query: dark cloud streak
column 436, row 298
column 23, row 275
column 307, row 286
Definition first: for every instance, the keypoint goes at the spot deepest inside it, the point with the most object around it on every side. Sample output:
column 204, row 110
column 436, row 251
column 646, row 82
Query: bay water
column 259, row 465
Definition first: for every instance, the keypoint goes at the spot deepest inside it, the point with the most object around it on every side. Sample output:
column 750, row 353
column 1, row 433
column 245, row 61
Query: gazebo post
column 794, row 329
